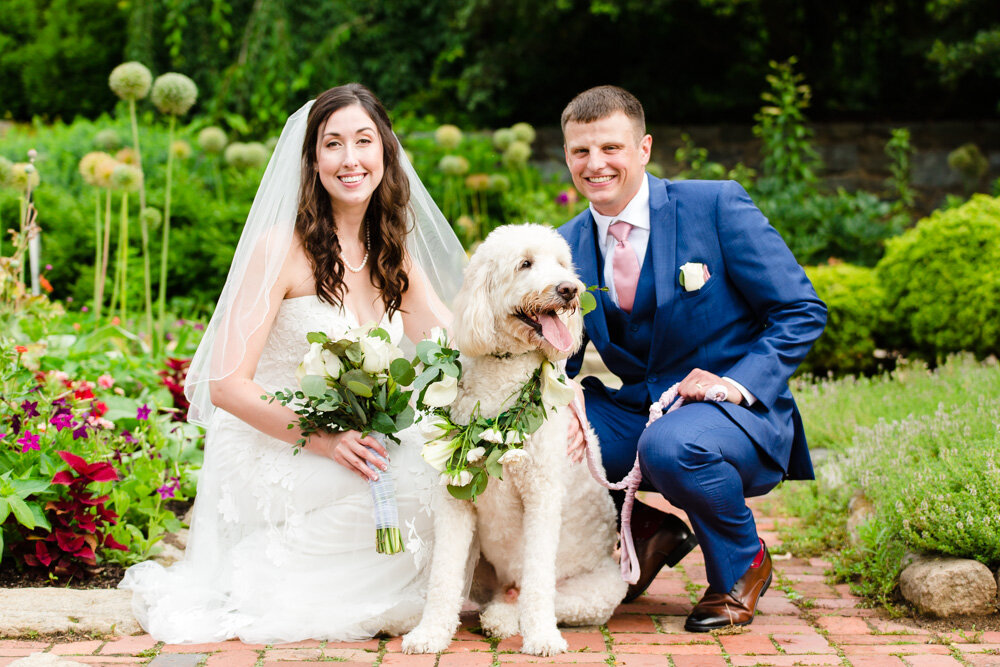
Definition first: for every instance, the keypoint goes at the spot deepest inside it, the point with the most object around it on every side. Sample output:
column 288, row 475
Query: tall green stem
column 160, row 340
column 105, row 253
column 97, row 248
column 122, row 280
column 138, row 155
column 147, row 276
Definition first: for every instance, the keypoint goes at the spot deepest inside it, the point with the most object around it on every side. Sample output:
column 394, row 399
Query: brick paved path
column 801, row 621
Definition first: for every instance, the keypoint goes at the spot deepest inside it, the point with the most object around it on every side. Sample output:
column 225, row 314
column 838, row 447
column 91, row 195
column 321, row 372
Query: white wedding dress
column 282, row 545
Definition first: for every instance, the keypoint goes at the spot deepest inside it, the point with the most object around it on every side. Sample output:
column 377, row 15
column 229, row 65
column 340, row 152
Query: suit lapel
column 663, row 237
column 587, row 256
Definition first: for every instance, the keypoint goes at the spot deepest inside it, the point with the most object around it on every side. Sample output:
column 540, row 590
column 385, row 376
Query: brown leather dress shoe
column 667, row 546
column 737, row 607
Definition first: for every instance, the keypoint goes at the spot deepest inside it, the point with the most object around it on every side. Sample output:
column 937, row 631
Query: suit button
column 634, row 328
column 651, row 378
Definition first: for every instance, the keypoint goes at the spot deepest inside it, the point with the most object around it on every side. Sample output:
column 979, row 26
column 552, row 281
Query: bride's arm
column 239, row 395
column 421, row 308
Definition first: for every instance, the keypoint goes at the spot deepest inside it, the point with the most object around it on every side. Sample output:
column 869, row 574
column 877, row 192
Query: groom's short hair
column 603, row 101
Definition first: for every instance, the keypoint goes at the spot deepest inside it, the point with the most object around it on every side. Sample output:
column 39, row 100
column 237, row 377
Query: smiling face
column 607, row 159
column 349, row 159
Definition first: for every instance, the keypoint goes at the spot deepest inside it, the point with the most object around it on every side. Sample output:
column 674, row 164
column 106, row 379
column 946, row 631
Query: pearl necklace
column 364, row 260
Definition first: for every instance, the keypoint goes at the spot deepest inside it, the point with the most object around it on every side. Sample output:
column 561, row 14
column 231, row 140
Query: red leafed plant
column 173, row 377
column 78, row 522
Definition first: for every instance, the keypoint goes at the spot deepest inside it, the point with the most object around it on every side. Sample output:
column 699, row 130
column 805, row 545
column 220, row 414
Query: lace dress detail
column 282, row 545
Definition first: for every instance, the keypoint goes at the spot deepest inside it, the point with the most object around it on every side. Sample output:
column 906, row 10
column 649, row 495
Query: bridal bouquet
column 357, row 382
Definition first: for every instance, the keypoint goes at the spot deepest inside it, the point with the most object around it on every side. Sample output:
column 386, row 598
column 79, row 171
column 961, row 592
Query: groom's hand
column 576, row 444
column 698, row 382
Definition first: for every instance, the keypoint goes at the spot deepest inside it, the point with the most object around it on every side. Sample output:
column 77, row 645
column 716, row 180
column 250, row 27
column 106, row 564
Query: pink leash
column 668, row 401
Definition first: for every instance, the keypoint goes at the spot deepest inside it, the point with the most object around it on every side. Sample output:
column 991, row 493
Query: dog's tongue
column 554, row 331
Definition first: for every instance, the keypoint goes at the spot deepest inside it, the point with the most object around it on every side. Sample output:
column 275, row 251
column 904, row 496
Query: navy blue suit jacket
column 753, row 321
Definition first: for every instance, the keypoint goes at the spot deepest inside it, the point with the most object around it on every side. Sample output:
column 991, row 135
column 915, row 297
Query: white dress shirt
column 636, row 213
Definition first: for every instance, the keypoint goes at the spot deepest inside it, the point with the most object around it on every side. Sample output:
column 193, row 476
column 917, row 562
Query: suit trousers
column 699, row 460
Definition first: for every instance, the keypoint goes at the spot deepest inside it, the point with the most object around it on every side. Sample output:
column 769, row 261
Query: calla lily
column 555, row 391
column 437, row 453
column 441, row 393
column 432, row 428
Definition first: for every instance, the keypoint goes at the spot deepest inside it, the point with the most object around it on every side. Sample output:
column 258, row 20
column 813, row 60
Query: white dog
column 548, row 529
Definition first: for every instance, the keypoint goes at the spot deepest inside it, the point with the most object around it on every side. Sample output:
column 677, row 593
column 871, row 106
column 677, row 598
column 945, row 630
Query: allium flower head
column 151, row 217
column 517, row 154
column 126, row 177
column 24, row 176
column 174, row 93
column 180, row 149
column 499, row 183
column 107, row 140
column 523, row 132
column 127, row 156
column 88, row 166
column 467, row 225
column 453, row 165
column 448, row 137
column 103, row 169
column 212, row 140
column 503, row 138
column 5, row 171
column 131, row 81
column 246, row 156
column 477, row 182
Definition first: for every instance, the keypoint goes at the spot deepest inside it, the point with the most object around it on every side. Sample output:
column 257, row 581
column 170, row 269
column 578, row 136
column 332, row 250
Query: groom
column 701, row 291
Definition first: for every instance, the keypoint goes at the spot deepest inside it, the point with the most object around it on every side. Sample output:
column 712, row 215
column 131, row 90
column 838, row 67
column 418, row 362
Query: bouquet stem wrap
column 388, row 539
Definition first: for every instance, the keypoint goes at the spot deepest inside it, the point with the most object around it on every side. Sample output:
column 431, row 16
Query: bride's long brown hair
column 386, row 215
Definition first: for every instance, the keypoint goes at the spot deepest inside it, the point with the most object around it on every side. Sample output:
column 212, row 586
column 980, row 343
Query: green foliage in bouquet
column 351, row 385
column 942, row 281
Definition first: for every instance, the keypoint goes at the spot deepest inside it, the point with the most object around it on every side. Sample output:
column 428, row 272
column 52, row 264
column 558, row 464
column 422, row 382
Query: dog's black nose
column 566, row 290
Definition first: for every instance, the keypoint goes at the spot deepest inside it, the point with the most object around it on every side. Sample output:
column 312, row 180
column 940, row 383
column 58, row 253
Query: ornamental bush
column 942, row 281
column 856, row 317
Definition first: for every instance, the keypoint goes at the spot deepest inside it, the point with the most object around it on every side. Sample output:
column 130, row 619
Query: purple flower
column 48, row 267
column 80, row 432
column 142, row 414
column 29, row 409
column 28, row 441
column 62, row 419
column 15, row 423
column 129, row 438
column 169, row 489
column 59, row 402
column 199, row 326
column 84, row 309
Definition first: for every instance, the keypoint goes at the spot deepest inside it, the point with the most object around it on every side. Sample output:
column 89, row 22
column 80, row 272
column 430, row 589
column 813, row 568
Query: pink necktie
column 624, row 265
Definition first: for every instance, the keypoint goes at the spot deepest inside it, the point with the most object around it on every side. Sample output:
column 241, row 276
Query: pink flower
column 28, row 441
column 105, row 381
column 142, row 414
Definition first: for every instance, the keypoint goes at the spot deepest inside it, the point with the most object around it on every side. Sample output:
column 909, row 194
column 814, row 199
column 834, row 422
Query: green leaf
column 380, row 397
column 22, row 512
column 398, row 401
column 4, row 510
column 355, row 353
column 587, row 303
column 27, row 487
column 461, row 492
column 493, row 465
column 358, row 382
column 356, row 406
column 426, row 349
column 451, row 369
column 317, row 337
column 313, row 385
column 479, row 482
column 378, row 332
column 41, row 521
column 427, row 376
column 383, row 423
column 405, row 418
column 402, row 372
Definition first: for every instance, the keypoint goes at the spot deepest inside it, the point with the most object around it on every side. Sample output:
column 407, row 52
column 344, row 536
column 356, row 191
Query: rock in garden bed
column 949, row 587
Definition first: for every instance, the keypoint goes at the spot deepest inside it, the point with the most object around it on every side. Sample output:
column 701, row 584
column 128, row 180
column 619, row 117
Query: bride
column 282, row 545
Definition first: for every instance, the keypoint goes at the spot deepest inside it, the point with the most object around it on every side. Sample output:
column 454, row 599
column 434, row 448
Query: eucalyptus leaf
column 317, row 337
column 314, row 386
column 425, row 350
column 379, row 332
column 426, row 376
column 355, row 353
column 451, row 368
column 587, row 303
column 383, row 423
column 402, row 372
column 356, row 406
column 405, row 418
column 479, row 482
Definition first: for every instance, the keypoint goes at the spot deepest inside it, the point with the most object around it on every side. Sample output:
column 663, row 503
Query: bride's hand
column 350, row 450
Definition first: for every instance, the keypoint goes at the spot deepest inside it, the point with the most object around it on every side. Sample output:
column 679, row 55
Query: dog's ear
column 473, row 328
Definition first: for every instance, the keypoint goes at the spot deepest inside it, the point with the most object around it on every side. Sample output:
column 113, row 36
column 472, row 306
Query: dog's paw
column 499, row 620
column 544, row 643
column 424, row 640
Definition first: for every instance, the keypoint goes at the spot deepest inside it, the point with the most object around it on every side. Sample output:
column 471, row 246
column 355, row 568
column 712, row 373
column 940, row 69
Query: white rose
column 438, row 452
column 475, row 454
column 312, row 362
column 492, row 435
column 439, row 336
column 513, row 456
column 331, row 364
column 463, row 478
column 378, row 354
column 432, row 428
column 458, row 479
column 692, row 276
column 555, row 392
column 441, row 393
column 513, row 438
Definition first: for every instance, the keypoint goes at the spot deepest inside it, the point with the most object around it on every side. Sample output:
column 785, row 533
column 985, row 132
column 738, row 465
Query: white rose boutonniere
column 693, row 276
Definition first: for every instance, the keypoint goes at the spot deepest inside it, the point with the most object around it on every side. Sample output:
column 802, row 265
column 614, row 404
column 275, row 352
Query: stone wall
column 853, row 153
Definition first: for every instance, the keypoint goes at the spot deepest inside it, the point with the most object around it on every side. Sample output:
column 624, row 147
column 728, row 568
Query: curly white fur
column 548, row 529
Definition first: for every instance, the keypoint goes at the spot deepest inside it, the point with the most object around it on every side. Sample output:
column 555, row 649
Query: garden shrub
column 855, row 316
column 942, row 281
